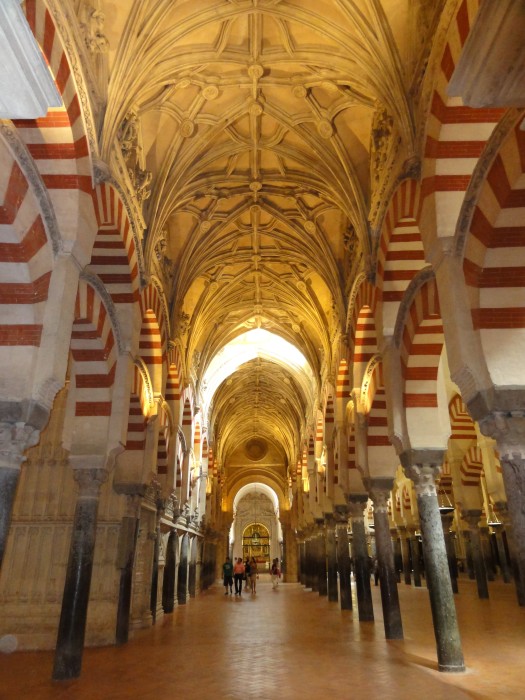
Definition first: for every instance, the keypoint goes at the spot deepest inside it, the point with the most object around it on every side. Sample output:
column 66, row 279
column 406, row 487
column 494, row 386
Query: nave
column 291, row 643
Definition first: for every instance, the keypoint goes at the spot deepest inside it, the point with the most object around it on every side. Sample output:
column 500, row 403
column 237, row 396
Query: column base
column 446, row 668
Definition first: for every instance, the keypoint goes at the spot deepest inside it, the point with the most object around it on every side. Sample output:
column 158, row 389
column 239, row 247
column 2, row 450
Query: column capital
column 471, row 517
column 356, row 505
column 424, row 478
column 15, row 438
column 508, row 429
column 379, row 489
column 89, row 481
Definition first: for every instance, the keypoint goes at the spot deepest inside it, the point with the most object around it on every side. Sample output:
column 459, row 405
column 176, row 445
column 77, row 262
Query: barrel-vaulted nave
column 262, row 272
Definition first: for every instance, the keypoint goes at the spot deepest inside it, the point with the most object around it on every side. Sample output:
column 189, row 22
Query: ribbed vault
column 260, row 125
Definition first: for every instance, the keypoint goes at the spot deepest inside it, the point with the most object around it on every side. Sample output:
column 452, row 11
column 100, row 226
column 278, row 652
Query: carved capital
column 15, row 438
column 379, row 490
column 424, row 477
column 89, row 481
column 508, row 429
column 356, row 505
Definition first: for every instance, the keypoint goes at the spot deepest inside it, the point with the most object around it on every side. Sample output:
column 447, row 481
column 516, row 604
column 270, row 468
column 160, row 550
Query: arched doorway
column 256, row 543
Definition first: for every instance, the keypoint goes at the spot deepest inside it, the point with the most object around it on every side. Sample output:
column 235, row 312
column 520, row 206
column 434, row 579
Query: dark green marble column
column 356, row 506
column 380, row 493
column 446, row 630
column 343, row 566
column 471, row 517
column 331, row 558
column 72, row 625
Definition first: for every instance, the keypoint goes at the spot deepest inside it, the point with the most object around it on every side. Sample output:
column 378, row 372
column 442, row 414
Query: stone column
column 504, row 564
column 471, row 517
column 155, row 606
column 311, row 577
column 398, row 557
column 331, row 558
column 446, row 522
column 72, row 625
column 322, row 573
column 423, row 470
column 15, row 438
column 416, row 561
column 379, row 493
column 302, row 562
column 405, row 555
column 488, row 555
column 129, row 529
column 343, row 565
column 508, row 429
column 356, row 506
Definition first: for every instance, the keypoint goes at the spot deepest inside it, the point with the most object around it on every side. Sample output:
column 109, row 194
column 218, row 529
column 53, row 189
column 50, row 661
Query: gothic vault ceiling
column 258, row 121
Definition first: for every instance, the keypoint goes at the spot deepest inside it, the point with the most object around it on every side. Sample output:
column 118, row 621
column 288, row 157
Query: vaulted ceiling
column 262, row 123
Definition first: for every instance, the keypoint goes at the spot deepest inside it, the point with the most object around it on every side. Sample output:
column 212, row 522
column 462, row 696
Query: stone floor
column 291, row 644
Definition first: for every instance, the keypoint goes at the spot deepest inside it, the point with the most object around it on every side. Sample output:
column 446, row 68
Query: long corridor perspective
column 291, row 644
column 262, row 298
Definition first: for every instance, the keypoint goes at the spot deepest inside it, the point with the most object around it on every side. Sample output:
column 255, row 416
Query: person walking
column 254, row 574
column 275, row 572
column 227, row 575
column 247, row 568
column 238, row 573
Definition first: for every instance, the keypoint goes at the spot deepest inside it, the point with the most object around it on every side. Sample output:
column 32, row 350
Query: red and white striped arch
column 93, row 365
column 114, row 258
column 421, row 345
column 343, row 388
column 494, row 264
column 400, row 255
column 58, row 142
column 456, row 136
column 472, row 467
column 154, row 334
column 26, row 263
column 382, row 459
column 319, row 435
column 136, row 436
column 362, row 335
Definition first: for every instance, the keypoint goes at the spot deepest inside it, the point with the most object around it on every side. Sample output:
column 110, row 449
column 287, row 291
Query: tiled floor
column 291, row 644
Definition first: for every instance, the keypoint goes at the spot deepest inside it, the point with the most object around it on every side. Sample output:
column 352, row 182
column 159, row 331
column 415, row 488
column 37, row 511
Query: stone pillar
column 72, row 625
column 379, row 493
column 504, row 564
column 508, row 429
column 129, row 529
column 446, row 522
column 307, row 561
column 405, row 555
column 302, row 562
column 15, row 438
column 322, row 573
column 423, row 470
column 488, row 555
column 356, row 506
column 331, row 558
column 398, row 557
column 290, row 573
column 343, row 565
column 170, row 568
column 155, row 606
column 471, row 517
column 416, row 560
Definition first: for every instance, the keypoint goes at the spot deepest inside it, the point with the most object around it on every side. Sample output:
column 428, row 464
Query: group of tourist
column 237, row 572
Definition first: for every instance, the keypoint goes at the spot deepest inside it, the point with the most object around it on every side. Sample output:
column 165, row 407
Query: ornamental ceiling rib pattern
column 258, row 122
